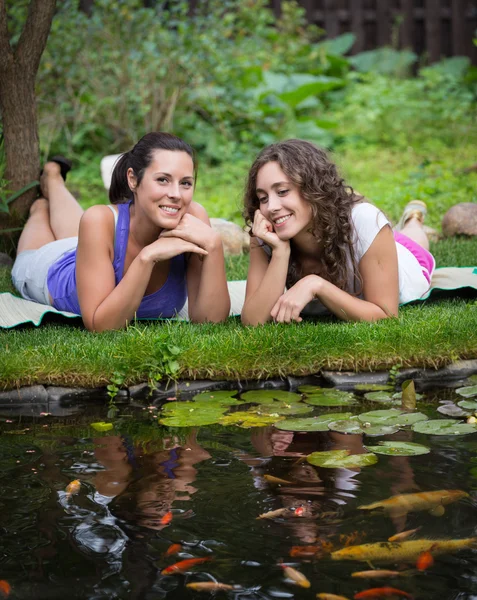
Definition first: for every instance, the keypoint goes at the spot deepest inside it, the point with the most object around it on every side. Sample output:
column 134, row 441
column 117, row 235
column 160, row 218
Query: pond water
column 145, row 487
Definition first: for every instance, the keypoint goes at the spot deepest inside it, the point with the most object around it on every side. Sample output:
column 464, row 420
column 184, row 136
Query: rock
column 460, row 219
column 5, row 260
column 347, row 380
column 234, row 238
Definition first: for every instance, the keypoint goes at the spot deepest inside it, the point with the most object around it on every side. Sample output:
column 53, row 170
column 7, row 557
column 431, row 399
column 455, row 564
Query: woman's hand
column 293, row 301
column 263, row 229
column 195, row 231
column 165, row 248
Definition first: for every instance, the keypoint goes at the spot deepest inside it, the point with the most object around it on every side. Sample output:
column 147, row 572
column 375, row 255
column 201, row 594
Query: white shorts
column 30, row 270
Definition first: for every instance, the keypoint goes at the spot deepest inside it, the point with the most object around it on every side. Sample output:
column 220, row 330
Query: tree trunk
column 18, row 69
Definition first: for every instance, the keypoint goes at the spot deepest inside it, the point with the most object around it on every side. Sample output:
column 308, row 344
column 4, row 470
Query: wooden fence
column 433, row 28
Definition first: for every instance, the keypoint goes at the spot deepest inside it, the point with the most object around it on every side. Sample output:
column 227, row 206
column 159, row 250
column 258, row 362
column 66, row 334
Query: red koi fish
column 173, row 549
column 303, row 551
column 299, row 511
column 380, row 593
column 184, row 565
column 5, row 587
column 424, row 561
column 167, row 518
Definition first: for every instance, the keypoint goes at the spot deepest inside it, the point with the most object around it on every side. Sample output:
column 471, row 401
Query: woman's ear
column 132, row 180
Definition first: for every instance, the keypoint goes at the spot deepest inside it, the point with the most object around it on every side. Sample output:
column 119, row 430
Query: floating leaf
column 349, row 426
column 399, row 448
column 373, row 387
column 451, row 410
column 334, row 459
column 469, row 404
column 391, row 417
column 216, row 396
column 191, row 414
column 377, row 430
column 102, row 426
column 267, row 396
column 444, row 427
column 248, row 419
column 330, row 400
column 311, row 423
column 382, row 397
column 467, row 392
column 408, row 395
column 282, row 408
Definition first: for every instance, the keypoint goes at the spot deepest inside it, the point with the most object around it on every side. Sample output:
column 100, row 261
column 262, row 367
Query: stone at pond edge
column 348, row 379
column 446, row 377
column 460, row 219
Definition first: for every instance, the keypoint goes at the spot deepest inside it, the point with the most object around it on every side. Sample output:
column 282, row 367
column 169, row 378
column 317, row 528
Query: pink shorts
column 423, row 256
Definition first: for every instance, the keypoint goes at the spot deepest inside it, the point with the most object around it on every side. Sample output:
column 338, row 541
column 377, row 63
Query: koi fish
column 277, row 480
column 377, row 574
column 273, row 513
column 183, row 565
column 167, row 518
column 434, row 502
column 400, row 551
column 296, row 576
column 298, row 512
column 73, row 488
column 173, row 549
column 424, row 561
column 380, row 592
column 303, row 551
column 208, row 586
column 5, row 587
column 330, row 597
column 399, row 537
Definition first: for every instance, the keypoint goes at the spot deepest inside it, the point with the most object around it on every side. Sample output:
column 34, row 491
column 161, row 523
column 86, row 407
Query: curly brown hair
column 316, row 177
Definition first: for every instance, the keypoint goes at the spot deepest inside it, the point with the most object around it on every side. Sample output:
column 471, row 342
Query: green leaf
column 469, row 404
column 373, row 387
column 215, row 396
column 281, row 408
column 311, row 423
column 335, row 459
column 247, row 419
column 267, row 396
column 467, row 392
column 102, row 426
column 331, row 399
column 399, row 448
column 338, row 45
column 382, row 398
column 408, row 395
column 391, row 417
column 444, row 427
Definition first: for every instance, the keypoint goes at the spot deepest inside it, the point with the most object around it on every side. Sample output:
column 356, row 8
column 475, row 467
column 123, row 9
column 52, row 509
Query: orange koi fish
column 273, row 513
column 433, row 502
column 296, row 576
column 330, row 597
column 173, row 549
column 424, row 561
column 208, row 586
column 377, row 573
column 303, row 551
column 5, row 587
column 299, row 511
column 184, row 565
column 167, row 518
column 73, row 488
column 403, row 535
column 380, row 592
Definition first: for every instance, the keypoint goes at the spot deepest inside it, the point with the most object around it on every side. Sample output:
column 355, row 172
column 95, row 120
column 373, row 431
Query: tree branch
column 6, row 54
column 33, row 39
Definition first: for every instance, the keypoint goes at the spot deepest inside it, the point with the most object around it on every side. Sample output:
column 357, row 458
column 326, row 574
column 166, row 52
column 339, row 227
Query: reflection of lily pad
column 391, row 417
column 311, row 423
column 444, row 427
column 344, row 399
column 249, row 419
column 451, row 410
column 267, row 396
column 102, row 426
column 382, row 398
column 334, row 459
column 468, row 404
column 399, row 448
column 468, row 392
column 355, row 426
column 216, row 396
column 282, row 408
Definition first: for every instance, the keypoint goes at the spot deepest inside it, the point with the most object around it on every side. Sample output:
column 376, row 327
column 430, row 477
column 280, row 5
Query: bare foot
column 51, row 170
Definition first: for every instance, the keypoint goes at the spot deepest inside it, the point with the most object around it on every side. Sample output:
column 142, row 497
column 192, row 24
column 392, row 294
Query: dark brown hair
column 317, row 179
column 139, row 158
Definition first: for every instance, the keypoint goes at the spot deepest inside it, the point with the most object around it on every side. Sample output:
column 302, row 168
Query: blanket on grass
column 446, row 282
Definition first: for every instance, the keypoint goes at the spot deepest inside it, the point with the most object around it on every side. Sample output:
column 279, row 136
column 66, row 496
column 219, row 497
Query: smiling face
column 166, row 188
column 281, row 203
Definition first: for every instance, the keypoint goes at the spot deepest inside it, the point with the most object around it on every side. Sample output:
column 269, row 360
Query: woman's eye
column 262, row 199
column 282, row 192
column 187, row 184
column 162, row 179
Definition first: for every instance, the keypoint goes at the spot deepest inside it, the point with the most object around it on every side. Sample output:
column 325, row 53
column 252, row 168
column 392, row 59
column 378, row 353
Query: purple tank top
column 164, row 303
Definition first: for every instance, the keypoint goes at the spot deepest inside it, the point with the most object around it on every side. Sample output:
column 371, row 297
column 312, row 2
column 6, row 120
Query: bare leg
column 413, row 229
column 65, row 212
column 37, row 231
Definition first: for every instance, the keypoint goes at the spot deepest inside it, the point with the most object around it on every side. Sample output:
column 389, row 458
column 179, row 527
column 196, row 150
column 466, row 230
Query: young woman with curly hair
column 333, row 251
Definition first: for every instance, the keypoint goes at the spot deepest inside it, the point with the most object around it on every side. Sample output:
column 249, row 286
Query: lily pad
column 391, row 417
column 267, row 396
column 311, row 423
column 444, row 427
column 330, row 400
column 382, row 398
column 373, row 387
column 468, row 404
column 334, row 459
column 102, row 426
column 355, row 426
column 282, row 408
column 399, row 448
column 191, row 414
column 216, row 396
column 468, row 391
column 451, row 410
column 248, row 419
